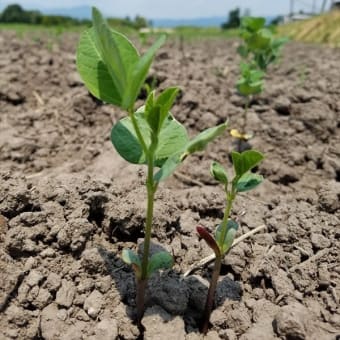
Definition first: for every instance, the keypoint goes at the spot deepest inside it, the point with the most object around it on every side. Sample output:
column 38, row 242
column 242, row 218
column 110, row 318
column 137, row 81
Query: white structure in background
column 148, row 30
column 335, row 5
column 312, row 8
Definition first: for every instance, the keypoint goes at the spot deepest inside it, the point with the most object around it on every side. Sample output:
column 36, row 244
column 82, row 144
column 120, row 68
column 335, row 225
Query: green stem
column 218, row 261
column 244, row 125
column 246, row 107
column 227, row 211
column 149, row 215
column 211, row 294
column 151, row 189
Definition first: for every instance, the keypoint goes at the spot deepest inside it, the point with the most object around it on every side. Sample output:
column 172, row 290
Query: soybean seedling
column 258, row 50
column 222, row 240
column 114, row 72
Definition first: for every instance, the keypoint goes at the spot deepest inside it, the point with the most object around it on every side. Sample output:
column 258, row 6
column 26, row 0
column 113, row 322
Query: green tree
column 140, row 22
column 14, row 13
column 234, row 19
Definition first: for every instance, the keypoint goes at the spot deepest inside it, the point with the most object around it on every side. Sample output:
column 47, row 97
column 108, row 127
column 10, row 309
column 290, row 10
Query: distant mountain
column 197, row 22
column 81, row 12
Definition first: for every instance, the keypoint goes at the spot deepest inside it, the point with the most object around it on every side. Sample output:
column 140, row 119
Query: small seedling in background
column 222, row 240
column 150, row 86
column 114, row 72
column 302, row 74
column 259, row 49
column 143, row 37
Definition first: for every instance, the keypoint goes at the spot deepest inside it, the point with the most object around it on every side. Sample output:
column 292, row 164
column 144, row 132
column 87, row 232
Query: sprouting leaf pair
column 244, row 180
column 161, row 260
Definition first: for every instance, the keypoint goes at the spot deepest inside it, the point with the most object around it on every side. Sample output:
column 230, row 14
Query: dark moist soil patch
column 69, row 204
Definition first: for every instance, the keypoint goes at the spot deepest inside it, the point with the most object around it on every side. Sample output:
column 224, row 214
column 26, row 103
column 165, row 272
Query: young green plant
column 114, row 72
column 258, row 50
column 222, row 240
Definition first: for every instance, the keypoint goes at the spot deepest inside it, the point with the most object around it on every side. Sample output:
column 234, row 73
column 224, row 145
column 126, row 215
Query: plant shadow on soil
column 177, row 296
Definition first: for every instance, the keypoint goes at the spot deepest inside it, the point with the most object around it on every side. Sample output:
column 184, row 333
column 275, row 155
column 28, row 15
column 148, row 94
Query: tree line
column 234, row 19
column 16, row 14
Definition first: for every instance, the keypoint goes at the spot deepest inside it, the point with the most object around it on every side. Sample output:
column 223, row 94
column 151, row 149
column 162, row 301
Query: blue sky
column 172, row 8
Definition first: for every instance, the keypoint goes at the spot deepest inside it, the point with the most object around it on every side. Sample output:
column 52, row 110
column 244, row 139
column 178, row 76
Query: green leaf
column 200, row 142
column 137, row 74
column 172, row 138
column 131, row 258
column 248, row 182
column 168, row 168
column 245, row 161
column 218, row 172
column 157, row 110
column 103, row 59
column 152, row 114
column 256, row 75
column 116, row 51
column 125, row 141
column 253, row 24
column 166, row 100
column 261, row 40
column 228, row 240
column 247, row 88
column 243, row 51
column 160, row 261
column 94, row 71
column 197, row 144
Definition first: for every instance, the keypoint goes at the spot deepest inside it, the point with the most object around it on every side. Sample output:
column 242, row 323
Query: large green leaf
column 137, row 74
column 109, row 47
column 124, row 139
column 94, row 71
column 228, row 240
column 245, row 161
column 248, row 182
column 160, row 261
column 104, row 58
column 200, row 142
column 172, row 137
column 110, row 65
column 218, row 172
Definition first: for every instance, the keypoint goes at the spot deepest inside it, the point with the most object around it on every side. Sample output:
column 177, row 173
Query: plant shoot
column 114, row 72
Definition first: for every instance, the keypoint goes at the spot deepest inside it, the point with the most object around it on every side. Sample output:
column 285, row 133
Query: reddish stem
column 211, row 294
column 140, row 289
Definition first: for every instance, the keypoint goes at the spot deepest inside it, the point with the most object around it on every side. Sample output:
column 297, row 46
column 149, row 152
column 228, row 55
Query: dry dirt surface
column 69, row 204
